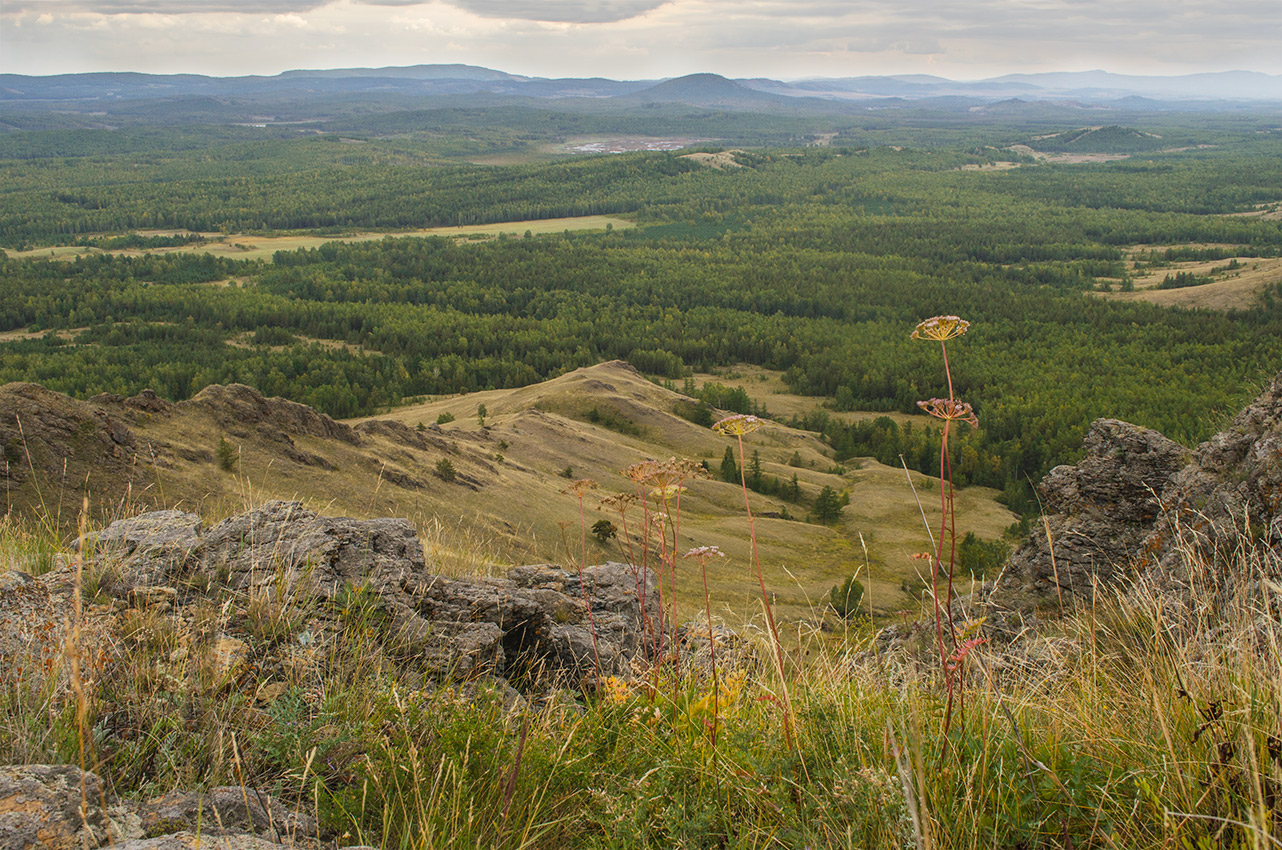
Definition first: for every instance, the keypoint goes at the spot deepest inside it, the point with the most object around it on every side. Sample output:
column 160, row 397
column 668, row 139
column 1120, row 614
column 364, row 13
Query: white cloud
column 644, row 38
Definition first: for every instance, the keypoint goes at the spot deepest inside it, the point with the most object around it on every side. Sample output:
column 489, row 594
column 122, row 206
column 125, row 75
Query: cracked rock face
column 530, row 625
column 1098, row 513
column 1138, row 504
column 58, row 807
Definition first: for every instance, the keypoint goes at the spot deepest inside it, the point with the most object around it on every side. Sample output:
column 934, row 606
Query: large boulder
column 1139, row 505
column 1099, row 512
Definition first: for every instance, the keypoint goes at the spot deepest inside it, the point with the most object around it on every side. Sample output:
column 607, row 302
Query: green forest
column 817, row 261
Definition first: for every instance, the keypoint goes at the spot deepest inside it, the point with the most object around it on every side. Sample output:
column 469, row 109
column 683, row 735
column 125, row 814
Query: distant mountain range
column 704, row 90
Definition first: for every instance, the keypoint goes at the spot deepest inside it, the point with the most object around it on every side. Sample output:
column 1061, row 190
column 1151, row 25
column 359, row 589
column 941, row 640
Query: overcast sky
column 636, row 39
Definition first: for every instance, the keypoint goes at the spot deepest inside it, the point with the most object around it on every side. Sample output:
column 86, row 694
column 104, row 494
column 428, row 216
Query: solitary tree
column 729, row 467
column 604, row 530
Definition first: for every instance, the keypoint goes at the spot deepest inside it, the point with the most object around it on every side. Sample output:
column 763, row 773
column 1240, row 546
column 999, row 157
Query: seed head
column 950, row 410
column 619, row 501
column 940, row 328
column 738, row 424
column 639, row 473
column 579, row 487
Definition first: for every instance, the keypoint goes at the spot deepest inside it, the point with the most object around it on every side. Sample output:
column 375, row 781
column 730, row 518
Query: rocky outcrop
column 317, row 571
column 1228, row 497
column 1098, row 513
column 236, row 406
column 1140, row 504
column 61, row 807
column 61, row 449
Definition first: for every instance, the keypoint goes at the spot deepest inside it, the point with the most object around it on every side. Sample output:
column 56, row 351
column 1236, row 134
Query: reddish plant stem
column 712, row 649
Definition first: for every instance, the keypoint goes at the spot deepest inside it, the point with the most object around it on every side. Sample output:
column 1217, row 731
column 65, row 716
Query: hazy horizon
column 643, row 39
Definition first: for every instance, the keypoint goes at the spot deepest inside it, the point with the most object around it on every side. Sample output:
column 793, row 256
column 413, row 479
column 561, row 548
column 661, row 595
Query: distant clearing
column 628, row 144
column 766, row 387
column 1236, row 289
column 989, row 166
column 1068, row 158
column 1268, row 212
column 244, row 247
column 720, row 161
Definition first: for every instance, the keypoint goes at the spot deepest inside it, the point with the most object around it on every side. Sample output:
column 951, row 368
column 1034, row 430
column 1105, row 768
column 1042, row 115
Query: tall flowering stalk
column 702, row 554
column 941, row 329
column 736, row 426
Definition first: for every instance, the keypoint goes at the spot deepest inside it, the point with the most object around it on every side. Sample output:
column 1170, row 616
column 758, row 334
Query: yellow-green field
column 249, row 247
column 1236, row 289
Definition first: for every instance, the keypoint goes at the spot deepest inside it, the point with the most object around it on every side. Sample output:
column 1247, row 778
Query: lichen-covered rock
column 59, row 807
column 1229, row 494
column 31, row 629
column 193, row 841
column 533, row 624
column 1098, row 513
column 226, row 810
column 1139, row 504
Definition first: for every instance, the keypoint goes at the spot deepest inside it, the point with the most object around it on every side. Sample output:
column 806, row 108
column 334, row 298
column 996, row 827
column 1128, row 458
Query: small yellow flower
column 738, row 424
column 616, row 690
column 941, row 328
column 950, row 410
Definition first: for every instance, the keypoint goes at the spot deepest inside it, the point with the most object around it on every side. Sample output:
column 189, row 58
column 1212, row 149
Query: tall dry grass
column 1146, row 719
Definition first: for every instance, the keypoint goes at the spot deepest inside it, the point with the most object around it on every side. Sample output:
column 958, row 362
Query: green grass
column 1132, row 725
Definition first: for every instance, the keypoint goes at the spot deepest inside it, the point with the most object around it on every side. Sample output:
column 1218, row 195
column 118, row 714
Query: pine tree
column 729, row 467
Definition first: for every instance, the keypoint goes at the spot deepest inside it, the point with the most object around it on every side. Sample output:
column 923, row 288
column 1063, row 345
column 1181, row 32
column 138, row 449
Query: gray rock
column 533, row 624
column 1098, row 514
column 59, row 807
column 193, row 841
column 1230, row 494
column 1139, row 504
column 226, row 810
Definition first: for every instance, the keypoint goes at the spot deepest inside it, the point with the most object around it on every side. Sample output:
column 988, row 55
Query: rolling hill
column 504, row 499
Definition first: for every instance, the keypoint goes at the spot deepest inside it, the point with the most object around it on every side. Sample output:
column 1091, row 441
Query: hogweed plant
column 736, row 425
column 941, row 329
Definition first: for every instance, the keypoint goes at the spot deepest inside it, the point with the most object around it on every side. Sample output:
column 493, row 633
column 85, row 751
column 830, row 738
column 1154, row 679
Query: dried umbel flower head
column 619, row 501
column 640, row 473
column 663, row 474
column 703, row 553
column 738, row 424
column 580, row 487
column 940, row 328
column 950, row 410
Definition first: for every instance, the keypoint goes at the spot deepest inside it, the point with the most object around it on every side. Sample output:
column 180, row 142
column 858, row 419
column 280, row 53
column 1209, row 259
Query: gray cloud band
column 564, row 11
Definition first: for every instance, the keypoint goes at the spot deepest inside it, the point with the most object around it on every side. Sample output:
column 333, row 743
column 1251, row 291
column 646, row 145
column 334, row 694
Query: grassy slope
column 507, row 505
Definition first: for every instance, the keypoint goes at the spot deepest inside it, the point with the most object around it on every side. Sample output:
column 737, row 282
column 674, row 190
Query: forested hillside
column 814, row 261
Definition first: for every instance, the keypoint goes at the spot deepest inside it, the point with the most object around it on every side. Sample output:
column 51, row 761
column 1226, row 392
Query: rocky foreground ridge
column 260, row 599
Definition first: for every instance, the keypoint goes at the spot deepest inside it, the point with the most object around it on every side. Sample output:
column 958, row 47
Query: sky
column 645, row 39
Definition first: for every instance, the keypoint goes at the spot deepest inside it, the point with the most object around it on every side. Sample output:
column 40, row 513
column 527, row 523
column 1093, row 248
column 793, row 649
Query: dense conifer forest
column 811, row 260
